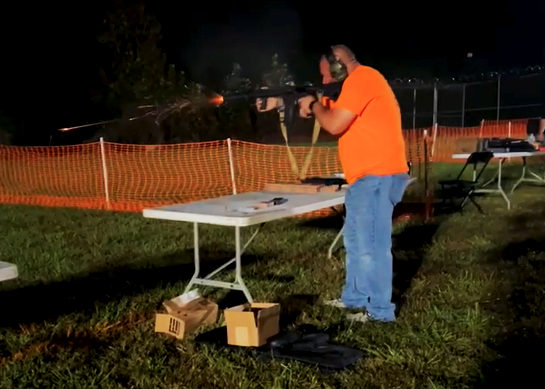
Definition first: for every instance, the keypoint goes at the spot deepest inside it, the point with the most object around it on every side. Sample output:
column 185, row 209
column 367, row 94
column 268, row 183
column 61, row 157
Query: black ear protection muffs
column 337, row 68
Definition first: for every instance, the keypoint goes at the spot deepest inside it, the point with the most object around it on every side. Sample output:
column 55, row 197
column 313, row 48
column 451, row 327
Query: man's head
column 336, row 65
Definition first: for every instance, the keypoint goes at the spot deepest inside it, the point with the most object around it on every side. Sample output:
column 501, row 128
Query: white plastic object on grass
column 186, row 298
column 8, row 271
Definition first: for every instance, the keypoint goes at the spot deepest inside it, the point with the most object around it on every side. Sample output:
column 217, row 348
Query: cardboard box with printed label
column 252, row 324
column 185, row 314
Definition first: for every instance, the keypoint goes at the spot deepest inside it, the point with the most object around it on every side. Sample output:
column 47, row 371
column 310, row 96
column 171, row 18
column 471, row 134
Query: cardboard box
column 252, row 324
column 185, row 314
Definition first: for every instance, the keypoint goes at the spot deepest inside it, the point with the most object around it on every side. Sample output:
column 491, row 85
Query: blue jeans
column 367, row 234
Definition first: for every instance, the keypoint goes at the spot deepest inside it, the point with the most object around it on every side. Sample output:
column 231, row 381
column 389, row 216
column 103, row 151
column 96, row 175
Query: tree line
column 154, row 102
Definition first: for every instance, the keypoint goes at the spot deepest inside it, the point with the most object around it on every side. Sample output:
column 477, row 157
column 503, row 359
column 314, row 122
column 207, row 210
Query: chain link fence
column 465, row 104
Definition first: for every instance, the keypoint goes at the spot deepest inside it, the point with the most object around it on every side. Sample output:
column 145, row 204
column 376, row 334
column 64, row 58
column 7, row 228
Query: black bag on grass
column 314, row 349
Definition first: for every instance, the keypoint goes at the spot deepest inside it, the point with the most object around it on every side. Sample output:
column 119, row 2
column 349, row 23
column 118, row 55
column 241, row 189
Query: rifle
column 289, row 95
column 287, row 111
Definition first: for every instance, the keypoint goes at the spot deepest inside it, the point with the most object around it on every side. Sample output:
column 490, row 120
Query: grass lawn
column 81, row 315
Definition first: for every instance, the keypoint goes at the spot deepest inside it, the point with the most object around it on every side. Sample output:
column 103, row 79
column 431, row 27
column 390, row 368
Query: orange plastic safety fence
column 132, row 177
column 256, row 165
column 503, row 128
column 58, row 176
column 142, row 176
column 446, row 140
column 115, row 176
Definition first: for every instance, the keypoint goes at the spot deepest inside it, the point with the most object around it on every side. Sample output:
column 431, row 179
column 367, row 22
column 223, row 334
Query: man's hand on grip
column 304, row 106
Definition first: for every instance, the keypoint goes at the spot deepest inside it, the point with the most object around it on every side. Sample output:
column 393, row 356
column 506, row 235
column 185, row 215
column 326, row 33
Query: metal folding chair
column 453, row 190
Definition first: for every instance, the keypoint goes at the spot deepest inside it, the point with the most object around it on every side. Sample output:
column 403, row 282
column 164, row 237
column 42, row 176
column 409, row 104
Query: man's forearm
column 324, row 117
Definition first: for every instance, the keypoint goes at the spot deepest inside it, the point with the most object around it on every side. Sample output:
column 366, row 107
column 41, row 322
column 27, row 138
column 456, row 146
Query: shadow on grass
column 511, row 173
column 404, row 210
column 291, row 307
column 408, row 247
column 81, row 292
column 445, row 205
column 332, row 222
column 519, row 303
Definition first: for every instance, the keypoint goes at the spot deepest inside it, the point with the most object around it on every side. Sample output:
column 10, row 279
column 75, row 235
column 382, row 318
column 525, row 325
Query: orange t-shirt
column 373, row 143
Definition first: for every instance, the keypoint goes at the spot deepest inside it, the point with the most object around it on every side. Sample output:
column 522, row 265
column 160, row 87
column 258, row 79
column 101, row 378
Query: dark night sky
column 400, row 40
column 49, row 49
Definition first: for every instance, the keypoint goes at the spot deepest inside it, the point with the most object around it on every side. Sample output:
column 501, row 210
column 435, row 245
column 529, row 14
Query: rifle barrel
column 283, row 91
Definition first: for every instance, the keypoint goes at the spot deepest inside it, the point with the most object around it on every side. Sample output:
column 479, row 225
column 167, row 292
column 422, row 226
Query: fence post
column 231, row 166
column 435, row 98
column 481, row 132
column 425, row 142
column 509, row 134
column 104, row 172
column 428, row 199
column 414, row 108
column 434, row 138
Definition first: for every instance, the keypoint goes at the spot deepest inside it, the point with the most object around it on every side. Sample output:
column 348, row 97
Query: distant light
column 469, row 55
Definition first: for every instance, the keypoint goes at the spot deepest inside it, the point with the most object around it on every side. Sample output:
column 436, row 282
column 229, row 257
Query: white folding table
column 8, row 271
column 523, row 178
column 236, row 211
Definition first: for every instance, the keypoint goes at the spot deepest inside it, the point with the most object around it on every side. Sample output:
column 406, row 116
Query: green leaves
column 279, row 74
column 235, row 82
column 138, row 72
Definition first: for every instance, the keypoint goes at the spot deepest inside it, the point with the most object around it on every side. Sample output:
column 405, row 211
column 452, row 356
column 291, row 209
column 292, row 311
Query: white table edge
column 503, row 155
column 241, row 221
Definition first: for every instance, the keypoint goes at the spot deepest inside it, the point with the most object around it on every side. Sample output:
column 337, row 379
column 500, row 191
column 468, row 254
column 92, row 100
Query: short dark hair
column 346, row 49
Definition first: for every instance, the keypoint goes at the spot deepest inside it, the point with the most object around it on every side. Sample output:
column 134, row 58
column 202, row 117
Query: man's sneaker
column 361, row 317
column 364, row 317
column 337, row 303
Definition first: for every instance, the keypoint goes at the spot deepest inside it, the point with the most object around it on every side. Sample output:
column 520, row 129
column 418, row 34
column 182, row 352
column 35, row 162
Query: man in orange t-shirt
column 367, row 119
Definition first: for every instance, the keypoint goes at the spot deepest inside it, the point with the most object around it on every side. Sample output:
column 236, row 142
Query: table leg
column 339, row 235
column 234, row 259
column 332, row 247
column 519, row 181
column 206, row 281
column 525, row 168
column 500, row 190
column 239, row 266
column 494, row 178
column 196, row 257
